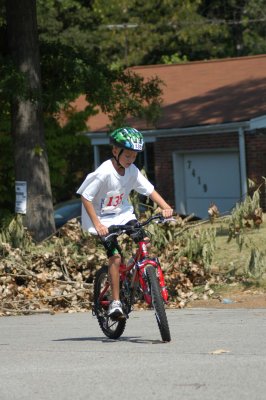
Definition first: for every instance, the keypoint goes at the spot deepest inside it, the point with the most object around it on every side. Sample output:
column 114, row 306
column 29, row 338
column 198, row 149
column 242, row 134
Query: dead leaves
column 59, row 274
column 181, row 279
column 57, row 277
column 213, row 212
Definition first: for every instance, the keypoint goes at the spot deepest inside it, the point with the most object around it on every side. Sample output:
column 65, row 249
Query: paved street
column 214, row 354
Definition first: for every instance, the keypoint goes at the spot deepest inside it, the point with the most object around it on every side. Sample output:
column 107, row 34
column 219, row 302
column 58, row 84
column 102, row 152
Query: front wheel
column 158, row 304
column 102, row 298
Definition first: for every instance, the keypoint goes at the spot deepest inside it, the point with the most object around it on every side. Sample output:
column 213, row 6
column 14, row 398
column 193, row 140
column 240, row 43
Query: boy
column 104, row 195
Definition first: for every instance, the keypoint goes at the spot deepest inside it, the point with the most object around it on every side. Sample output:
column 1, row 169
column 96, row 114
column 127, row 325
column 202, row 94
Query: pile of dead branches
column 57, row 275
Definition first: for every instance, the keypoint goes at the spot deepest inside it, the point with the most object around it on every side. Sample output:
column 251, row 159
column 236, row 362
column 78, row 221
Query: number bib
column 111, row 204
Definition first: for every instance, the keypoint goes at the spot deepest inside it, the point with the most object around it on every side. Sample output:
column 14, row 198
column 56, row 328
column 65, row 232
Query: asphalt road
column 214, row 354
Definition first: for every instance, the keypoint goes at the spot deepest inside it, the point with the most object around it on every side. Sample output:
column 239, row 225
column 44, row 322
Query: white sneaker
column 115, row 309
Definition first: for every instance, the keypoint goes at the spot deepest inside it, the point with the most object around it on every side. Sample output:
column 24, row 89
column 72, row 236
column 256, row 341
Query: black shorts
column 111, row 245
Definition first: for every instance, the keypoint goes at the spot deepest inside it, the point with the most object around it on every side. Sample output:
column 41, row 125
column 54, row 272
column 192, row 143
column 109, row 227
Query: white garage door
column 208, row 178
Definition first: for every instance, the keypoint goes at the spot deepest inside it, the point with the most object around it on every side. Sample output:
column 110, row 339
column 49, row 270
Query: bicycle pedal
column 119, row 317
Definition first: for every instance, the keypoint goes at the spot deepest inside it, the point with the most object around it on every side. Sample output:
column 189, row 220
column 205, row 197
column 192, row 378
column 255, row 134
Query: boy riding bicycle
column 104, row 195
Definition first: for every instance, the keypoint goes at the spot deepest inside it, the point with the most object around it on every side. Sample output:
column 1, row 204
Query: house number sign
column 194, row 174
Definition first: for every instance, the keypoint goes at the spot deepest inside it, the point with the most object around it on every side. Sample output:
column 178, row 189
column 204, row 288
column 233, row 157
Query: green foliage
column 246, row 217
column 198, row 245
column 254, row 33
column 243, row 213
column 242, row 26
column 65, row 72
column 13, row 232
column 121, row 93
column 174, row 59
column 12, row 81
column 70, row 157
column 257, row 263
column 131, row 32
column 72, row 63
column 134, row 32
column 84, row 47
column 78, row 39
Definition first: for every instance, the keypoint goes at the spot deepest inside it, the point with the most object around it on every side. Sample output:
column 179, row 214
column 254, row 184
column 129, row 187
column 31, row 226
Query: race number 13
column 114, row 201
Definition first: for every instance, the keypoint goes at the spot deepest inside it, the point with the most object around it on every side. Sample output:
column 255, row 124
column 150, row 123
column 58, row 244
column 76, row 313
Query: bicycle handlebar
column 119, row 229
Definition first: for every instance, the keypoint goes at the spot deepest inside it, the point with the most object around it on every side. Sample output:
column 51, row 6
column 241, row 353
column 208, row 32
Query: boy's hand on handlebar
column 167, row 213
column 102, row 230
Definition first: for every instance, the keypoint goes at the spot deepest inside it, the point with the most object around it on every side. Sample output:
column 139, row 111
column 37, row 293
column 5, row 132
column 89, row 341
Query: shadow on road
column 129, row 339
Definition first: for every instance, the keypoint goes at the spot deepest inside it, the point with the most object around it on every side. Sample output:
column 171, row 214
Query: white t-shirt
column 108, row 191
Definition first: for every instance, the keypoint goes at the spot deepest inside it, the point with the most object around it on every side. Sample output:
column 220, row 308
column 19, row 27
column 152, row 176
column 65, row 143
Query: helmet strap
column 117, row 158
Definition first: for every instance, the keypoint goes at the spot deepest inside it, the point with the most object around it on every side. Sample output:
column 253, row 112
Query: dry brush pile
column 57, row 275
column 49, row 277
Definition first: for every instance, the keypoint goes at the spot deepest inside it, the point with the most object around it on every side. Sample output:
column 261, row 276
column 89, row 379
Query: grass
column 229, row 256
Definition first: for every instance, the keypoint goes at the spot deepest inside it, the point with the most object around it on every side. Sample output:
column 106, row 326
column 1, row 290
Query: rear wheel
column 158, row 304
column 102, row 297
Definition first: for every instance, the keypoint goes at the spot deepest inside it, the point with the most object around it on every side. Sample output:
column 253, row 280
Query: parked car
column 65, row 211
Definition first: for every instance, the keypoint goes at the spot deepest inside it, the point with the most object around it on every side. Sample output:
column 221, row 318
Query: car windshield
column 69, row 209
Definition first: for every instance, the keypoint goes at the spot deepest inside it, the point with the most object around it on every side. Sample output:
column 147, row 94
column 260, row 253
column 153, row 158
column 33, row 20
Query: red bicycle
column 140, row 278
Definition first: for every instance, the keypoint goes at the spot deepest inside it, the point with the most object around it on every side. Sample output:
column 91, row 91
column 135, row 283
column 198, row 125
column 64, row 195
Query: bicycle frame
column 139, row 263
column 141, row 278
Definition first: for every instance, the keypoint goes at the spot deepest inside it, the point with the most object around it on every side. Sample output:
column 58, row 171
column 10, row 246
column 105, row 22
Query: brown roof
column 203, row 93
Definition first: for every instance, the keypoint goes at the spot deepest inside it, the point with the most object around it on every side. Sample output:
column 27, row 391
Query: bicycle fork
column 144, row 281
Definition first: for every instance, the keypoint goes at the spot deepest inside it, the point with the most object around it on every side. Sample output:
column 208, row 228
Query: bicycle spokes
column 102, row 298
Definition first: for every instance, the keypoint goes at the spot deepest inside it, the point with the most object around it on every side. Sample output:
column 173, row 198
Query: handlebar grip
column 114, row 228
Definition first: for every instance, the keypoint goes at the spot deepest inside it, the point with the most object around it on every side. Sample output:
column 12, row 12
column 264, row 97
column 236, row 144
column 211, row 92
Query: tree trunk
column 31, row 163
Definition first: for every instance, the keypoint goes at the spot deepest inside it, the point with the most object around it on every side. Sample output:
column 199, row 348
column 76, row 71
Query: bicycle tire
column 111, row 329
column 158, row 304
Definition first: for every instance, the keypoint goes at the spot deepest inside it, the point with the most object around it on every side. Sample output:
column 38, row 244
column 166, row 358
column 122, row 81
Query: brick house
column 211, row 136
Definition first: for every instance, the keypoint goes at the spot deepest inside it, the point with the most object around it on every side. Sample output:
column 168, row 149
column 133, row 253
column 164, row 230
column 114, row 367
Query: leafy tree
column 128, row 32
column 136, row 32
column 133, row 32
column 84, row 47
column 70, row 156
column 254, row 22
column 242, row 23
column 69, row 68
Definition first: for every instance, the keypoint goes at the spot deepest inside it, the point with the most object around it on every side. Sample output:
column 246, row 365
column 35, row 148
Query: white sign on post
column 21, row 197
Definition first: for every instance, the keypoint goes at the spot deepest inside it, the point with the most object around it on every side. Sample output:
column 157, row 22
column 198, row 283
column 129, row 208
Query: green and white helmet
column 127, row 138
